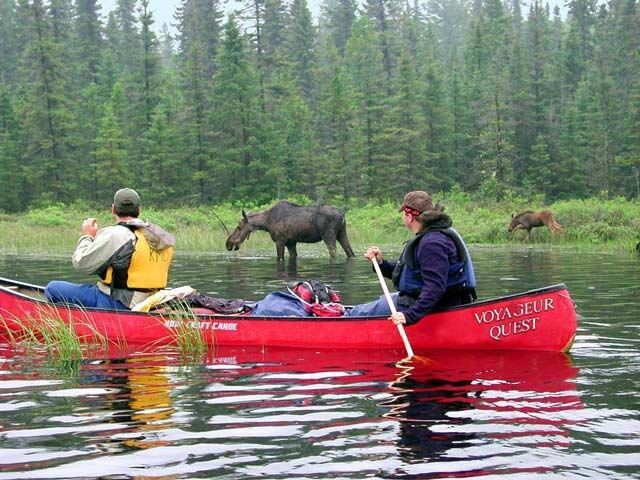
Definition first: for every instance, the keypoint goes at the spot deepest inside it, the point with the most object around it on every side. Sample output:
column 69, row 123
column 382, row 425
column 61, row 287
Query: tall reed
column 186, row 332
column 51, row 329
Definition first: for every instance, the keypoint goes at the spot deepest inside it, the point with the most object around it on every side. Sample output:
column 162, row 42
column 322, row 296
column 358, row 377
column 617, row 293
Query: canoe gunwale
column 545, row 315
column 5, row 281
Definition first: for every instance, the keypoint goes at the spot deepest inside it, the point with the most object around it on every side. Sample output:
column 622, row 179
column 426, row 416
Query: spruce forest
column 365, row 102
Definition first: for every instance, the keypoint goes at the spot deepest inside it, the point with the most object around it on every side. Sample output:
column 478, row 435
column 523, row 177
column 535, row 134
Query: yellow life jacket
column 148, row 269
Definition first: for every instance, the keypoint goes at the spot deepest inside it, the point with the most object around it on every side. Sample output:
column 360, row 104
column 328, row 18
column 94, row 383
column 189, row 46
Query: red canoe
column 540, row 319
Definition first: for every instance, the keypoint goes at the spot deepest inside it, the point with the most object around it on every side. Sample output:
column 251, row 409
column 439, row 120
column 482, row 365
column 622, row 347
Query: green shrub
column 51, row 216
column 56, row 227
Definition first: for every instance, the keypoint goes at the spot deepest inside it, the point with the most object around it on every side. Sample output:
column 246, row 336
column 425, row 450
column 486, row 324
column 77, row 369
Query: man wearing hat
column 434, row 270
column 131, row 257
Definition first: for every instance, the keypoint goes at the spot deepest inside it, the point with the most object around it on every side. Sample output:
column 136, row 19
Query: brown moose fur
column 530, row 219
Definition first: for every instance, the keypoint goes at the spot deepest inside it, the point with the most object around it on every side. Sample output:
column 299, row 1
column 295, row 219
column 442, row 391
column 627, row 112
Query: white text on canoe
column 508, row 320
column 206, row 325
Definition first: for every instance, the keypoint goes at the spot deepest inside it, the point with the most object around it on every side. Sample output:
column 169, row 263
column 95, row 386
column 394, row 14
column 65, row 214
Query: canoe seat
column 203, row 311
column 199, row 311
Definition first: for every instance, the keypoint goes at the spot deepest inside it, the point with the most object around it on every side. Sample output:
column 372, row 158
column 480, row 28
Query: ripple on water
column 276, row 413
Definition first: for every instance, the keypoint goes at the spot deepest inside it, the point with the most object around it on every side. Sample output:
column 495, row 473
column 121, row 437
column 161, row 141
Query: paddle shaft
column 387, row 295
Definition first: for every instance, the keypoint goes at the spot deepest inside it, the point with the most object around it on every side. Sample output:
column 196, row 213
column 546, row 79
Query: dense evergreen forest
column 364, row 103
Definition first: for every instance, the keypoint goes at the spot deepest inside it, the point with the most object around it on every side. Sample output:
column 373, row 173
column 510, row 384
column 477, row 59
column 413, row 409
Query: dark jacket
column 435, row 252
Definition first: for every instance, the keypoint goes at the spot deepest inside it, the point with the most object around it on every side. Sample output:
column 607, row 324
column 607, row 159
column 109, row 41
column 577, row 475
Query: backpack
column 318, row 299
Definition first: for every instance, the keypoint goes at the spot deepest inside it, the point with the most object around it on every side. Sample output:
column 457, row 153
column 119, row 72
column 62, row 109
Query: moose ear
column 244, row 215
column 513, row 215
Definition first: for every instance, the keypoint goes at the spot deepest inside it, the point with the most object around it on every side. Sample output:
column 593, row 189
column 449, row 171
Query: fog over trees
column 363, row 103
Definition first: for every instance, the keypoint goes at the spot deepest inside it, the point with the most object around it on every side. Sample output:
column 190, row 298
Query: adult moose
column 288, row 224
column 530, row 219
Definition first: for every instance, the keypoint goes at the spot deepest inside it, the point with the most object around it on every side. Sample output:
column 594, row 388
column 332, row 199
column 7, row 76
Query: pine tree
column 279, row 84
column 274, row 30
column 462, row 126
column 150, row 63
column 558, row 93
column 337, row 20
column 435, row 110
column 235, row 115
column 88, row 41
column 612, row 70
column 11, row 177
column 296, row 172
column 126, row 40
column 83, row 45
column 166, row 47
column 162, row 147
column 299, row 46
column 519, row 96
column 406, row 163
column 487, row 62
column 450, row 18
column 199, row 32
column 379, row 11
column 365, row 64
column 47, row 120
column 629, row 158
column 579, row 39
column 62, row 29
column 9, row 42
column 110, row 168
column 253, row 14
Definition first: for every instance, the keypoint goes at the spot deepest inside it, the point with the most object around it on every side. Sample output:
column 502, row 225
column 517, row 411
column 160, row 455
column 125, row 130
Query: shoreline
column 589, row 224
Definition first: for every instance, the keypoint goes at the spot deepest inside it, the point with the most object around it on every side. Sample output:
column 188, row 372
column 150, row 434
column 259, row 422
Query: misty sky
column 163, row 9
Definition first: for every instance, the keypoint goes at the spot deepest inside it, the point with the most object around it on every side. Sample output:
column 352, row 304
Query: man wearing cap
column 131, row 257
column 434, row 270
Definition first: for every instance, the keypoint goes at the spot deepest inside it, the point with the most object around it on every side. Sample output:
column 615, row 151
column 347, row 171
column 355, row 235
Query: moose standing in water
column 288, row 224
column 530, row 219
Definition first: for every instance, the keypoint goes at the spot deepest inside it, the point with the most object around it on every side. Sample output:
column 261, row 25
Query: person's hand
column 90, row 227
column 373, row 252
column 398, row 318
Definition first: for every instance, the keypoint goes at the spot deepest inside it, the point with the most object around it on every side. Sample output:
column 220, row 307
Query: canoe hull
column 542, row 319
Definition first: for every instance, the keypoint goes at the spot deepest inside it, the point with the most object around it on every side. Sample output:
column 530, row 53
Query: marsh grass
column 613, row 223
column 47, row 330
column 186, row 333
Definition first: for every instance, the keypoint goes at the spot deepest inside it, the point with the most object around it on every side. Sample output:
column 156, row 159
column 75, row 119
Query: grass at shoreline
column 591, row 223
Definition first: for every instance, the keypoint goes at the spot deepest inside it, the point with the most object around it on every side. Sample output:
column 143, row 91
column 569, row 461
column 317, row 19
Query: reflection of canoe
column 541, row 319
column 462, row 414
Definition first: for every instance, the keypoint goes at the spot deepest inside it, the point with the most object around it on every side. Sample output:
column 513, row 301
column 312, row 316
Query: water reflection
column 302, row 413
column 279, row 413
column 139, row 397
column 456, row 402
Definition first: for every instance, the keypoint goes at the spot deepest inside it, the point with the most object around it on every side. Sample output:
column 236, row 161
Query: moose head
column 241, row 233
column 513, row 224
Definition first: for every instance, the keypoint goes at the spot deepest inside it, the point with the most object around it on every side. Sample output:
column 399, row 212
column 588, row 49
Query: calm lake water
column 281, row 413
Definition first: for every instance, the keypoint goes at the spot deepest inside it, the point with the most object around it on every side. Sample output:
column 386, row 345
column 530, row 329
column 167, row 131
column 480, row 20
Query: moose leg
column 526, row 239
column 344, row 242
column 280, row 250
column 330, row 241
column 516, row 228
column 293, row 251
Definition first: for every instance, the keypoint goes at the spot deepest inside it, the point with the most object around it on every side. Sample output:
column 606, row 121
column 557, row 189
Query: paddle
column 387, row 295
